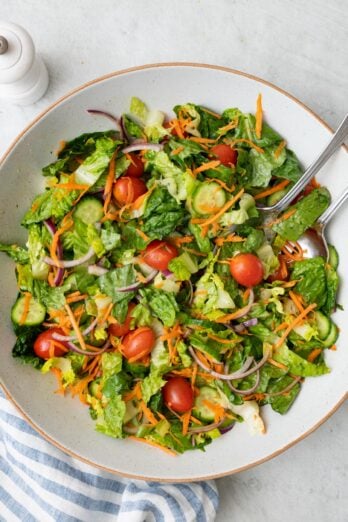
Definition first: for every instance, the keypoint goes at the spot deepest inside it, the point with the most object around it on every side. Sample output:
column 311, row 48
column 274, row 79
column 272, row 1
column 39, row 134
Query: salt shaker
column 23, row 74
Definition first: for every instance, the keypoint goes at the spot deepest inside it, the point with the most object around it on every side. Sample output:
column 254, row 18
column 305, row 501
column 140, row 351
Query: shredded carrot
column 203, row 358
column 201, row 140
column 314, row 354
column 135, row 393
column 140, row 200
column 229, row 317
column 206, row 166
column 232, row 125
column 258, row 124
column 279, row 149
column 142, row 234
column 209, row 221
column 177, row 127
column 185, row 372
column 284, row 217
column 290, row 284
column 255, row 397
column 105, row 314
column 296, row 299
column 272, row 190
column 221, row 340
column 195, row 420
column 150, row 416
column 217, row 409
column 58, row 374
column 281, row 326
column 27, row 299
column 155, row 444
column 109, row 182
column 248, row 142
column 178, row 241
column 177, row 150
column 222, row 184
column 137, row 357
column 295, row 322
column 231, row 238
column 195, row 252
column 194, row 374
column 76, row 298
column 212, row 113
column 71, row 186
column 185, row 419
column 333, row 347
column 75, row 327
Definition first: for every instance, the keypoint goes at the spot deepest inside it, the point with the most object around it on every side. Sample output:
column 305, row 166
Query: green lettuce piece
column 194, row 113
column 282, row 403
column 23, row 348
column 17, row 253
column 152, row 121
column 312, row 280
column 117, row 278
column 75, row 238
column 111, row 364
column 110, row 236
column 132, row 128
column 85, row 144
column 308, row 209
column 183, row 266
column 332, row 282
column 297, row 365
column 54, row 169
column 247, row 210
column 185, row 358
column 162, row 304
column 263, row 165
column 162, row 214
column 160, row 356
column 111, row 421
column 116, row 384
column 141, row 315
column 54, row 202
column 95, row 164
column 268, row 259
column 225, row 174
column 189, row 151
column 246, row 129
column 203, row 243
column 290, row 169
column 94, row 240
column 37, row 253
column 178, row 183
column 63, row 364
column 152, row 384
column 138, row 109
column 50, row 297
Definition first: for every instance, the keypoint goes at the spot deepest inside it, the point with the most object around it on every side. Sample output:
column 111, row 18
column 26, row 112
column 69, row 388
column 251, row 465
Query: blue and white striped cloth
column 38, row 482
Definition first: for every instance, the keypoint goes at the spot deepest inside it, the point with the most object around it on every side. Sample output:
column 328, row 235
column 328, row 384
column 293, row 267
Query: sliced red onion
column 242, row 372
column 286, row 389
column 204, row 429
column 227, row 429
column 135, row 286
column 74, row 348
column 110, row 117
column 245, row 310
column 58, row 278
column 249, row 390
column 143, row 146
column 72, row 263
column 60, row 337
column 167, row 273
column 239, row 328
column 97, row 270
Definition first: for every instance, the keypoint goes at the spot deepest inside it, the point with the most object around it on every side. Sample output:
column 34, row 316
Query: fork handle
column 336, row 141
column 332, row 209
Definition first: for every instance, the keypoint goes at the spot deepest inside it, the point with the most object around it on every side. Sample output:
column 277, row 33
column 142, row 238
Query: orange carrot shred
column 258, row 125
column 27, row 299
column 155, row 444
column 272, row 190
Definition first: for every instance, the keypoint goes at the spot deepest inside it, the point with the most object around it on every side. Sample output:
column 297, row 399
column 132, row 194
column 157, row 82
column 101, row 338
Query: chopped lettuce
column 95, row 164
column 297, row 365
column 162, row 214
column 183, row 266
column 64, row 365
column 312, row 280
column 247, row 210
column 110, row 420
column 162, row 304
column 17, row 253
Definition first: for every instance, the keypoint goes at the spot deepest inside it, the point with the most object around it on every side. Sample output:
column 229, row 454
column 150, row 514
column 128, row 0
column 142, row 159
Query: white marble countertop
column 300, row 46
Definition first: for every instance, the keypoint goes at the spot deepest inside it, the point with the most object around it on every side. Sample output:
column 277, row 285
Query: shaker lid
column 17, row 52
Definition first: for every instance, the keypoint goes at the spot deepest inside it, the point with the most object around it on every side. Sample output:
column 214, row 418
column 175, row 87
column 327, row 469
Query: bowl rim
column 8, row 151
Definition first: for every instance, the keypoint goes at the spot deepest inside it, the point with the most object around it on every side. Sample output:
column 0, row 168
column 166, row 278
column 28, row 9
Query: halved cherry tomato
column 126, row 190
column 45, row 346
column 178, row 394
column 136, row 167
column 138, row 343
column 246, row 269
column 225, row 154
column 159, row 253
column 281, row 274
column 122, row 329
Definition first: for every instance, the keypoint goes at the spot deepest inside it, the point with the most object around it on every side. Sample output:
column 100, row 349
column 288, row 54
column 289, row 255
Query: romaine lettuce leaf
column 95, row 164
column 312, row 280
column 111, row 421
column 162, row 214
column 17, row 253
column 183, row 266
column 297, row 365
column 63, row 364
column 247, row 210
column 162, row 304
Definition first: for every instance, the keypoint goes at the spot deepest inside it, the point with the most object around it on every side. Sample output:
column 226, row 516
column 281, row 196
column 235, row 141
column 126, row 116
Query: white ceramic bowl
column 65, row 422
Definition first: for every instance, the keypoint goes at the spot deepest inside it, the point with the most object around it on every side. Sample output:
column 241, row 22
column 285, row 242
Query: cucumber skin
column 89, row 210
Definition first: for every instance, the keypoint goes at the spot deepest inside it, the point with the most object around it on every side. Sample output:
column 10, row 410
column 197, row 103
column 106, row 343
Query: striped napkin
column 38, row 482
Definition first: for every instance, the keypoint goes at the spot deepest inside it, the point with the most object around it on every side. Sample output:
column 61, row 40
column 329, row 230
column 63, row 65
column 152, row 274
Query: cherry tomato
column 178, row 394
column 44, row 342
column 246, row 269
column 127, row 190
column 138, row 343
column 281, row 274
column 225, row 154
column 122, row 329
column 136, row 167
column 159, row 253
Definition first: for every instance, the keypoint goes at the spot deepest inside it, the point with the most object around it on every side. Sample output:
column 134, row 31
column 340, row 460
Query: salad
column 152, row 288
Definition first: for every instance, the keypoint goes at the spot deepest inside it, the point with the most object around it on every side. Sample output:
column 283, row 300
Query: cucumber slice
column 333, row 257
column 89, row 210
column 36, row 313
column 272, row 199
column 323, row 324
column 200, row 410
column 94, row 388
column 208, row 196
column 332, row 337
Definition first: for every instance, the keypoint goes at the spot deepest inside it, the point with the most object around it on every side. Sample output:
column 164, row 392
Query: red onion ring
column 74, row 348
column 72, row 263
column 242, row 372
column 60, row 337
column 97, row 270
column 142, row 146
column 249, row 390
column 227, row 429
column 204, row 429
column 58, row 278
column 110, row 117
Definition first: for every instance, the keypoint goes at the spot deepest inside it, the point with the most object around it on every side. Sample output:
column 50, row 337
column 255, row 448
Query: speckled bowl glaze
column 64, row 421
